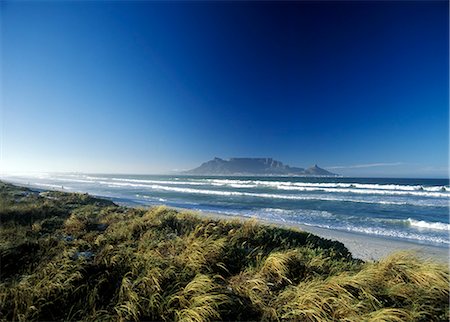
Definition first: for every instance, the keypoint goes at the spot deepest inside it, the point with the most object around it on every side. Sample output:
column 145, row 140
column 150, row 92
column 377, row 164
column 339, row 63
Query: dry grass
column 73, row 257
column 200, row 300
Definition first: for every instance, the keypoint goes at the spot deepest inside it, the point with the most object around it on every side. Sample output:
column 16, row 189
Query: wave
column 90, row 179
column 276, row 184
column 314, row 221
column 428, row 225
column 397, row 234
column 270, row 196
column 193, row 183
column 73, row 180
column 413, row 229
column 349, row 218
column 325, row 219
column 365, row 199
column 353, row 188
column 361, row 188
column 333, row 185
column 357, row 188
column 369, row 191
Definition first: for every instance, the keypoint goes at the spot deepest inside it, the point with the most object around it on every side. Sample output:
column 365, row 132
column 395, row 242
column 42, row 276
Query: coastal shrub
column 70, row 256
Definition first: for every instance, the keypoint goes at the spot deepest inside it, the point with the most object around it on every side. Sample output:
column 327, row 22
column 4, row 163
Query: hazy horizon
column 359, row 88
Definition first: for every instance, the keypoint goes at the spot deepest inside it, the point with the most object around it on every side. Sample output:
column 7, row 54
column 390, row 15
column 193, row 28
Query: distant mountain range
column 255, row 166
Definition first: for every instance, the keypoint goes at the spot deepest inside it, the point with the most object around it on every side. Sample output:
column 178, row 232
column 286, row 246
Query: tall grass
column 74, row 257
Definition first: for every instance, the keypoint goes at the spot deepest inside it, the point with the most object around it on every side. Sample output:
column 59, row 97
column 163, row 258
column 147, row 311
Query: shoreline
column 365, row 247
column 362, row 246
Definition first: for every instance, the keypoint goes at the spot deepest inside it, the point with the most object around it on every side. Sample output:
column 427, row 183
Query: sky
column 359, row 88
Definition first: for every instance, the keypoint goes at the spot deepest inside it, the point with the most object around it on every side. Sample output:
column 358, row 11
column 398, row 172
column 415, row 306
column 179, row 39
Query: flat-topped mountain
column 254, row 166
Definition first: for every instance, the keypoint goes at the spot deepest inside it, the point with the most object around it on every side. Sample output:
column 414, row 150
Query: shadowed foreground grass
column 74, row 257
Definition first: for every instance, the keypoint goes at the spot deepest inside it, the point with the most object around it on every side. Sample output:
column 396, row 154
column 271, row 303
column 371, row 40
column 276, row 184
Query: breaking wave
column 428, row 225
column 325, row 219
column 417, row 211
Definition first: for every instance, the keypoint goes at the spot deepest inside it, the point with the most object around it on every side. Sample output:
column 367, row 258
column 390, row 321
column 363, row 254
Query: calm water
column 409, row 209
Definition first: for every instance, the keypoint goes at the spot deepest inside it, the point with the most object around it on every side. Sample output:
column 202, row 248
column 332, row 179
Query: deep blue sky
column 359, row 87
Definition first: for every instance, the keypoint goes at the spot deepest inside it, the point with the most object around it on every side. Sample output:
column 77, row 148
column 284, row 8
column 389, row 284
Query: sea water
column 415, row 210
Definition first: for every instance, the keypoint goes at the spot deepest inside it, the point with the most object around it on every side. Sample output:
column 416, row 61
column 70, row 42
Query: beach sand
column 362, row 246
column 368, row 247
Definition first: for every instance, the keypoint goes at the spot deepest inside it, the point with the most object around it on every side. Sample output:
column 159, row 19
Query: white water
column 415, row 210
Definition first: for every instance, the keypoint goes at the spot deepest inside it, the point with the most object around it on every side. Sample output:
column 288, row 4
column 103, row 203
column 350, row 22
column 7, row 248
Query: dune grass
column 74, row 257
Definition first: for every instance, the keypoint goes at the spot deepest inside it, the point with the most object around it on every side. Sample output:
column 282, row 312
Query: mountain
column 316, row 171
column 255, row 166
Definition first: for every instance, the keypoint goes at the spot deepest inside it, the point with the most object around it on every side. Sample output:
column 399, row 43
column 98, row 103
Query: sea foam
column 329, row 187
column 428, row 225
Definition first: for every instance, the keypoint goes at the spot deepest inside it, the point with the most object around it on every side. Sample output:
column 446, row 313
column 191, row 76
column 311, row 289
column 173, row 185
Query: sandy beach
column 365, row 247
column 368, row 247
column 362, row 246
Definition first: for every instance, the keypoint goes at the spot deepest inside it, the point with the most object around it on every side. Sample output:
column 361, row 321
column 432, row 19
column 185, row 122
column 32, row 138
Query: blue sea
column 415, row 210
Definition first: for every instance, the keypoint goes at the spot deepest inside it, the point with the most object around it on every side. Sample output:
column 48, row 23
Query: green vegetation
column 74, row 257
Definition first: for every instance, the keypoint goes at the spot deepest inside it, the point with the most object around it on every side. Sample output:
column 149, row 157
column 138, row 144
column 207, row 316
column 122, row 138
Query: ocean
column 415, row 210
